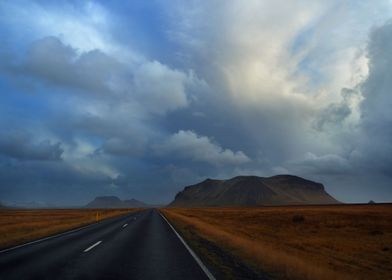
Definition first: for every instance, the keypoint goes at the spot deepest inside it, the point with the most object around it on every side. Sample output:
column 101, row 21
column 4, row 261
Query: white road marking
column 125, row 225
column 193, row 254
column 92, row 246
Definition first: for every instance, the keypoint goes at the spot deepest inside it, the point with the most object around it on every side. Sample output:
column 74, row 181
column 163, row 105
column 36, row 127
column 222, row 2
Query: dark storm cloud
column 375, row 147
column 54, row 62
column 336, row 113
column 153, row 86
column 19, row 145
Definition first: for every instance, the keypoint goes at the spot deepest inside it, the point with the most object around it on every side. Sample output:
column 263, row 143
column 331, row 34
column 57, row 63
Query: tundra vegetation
column 291, row 242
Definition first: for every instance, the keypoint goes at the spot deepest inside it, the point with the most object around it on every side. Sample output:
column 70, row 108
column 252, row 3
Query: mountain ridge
column 253, row 191
column 114, row 202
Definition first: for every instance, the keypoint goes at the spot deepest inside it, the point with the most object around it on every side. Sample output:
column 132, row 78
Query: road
column 140, row 245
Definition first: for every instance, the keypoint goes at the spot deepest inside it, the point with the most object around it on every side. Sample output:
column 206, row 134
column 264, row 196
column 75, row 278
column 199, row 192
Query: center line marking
column 92, row 246
column 125, row 225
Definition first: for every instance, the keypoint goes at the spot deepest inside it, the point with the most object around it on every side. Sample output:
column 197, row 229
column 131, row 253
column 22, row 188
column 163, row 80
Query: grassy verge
column 21, row 226
column 309, row 242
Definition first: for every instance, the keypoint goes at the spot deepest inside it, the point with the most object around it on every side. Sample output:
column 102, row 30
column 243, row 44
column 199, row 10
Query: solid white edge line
column 46, row 238
column 92, row 246
column 193, row 254
column 50, row 237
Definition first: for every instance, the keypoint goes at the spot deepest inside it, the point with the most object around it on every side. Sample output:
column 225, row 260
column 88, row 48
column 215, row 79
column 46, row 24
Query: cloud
column 86, row 26
column 188, row 145
column 337, row 114
column 19, row 145
column 333, row 114
column 120, row 147
column 59, row 64
column 276, row 77
column 375, row 132
column 152, row 86
column 326, row 164
column 269, row 88
column 377, row 86
column 159, row 88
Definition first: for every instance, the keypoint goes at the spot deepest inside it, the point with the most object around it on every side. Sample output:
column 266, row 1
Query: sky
column 140, row 98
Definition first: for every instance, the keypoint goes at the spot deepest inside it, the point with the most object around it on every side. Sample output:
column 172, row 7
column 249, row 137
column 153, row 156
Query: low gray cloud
column 329, row 164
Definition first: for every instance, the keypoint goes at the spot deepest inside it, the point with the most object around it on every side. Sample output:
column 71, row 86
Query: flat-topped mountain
column 114, row 202
column 253, row 191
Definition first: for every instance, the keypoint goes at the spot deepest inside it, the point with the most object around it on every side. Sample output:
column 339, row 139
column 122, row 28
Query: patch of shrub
column 298, row 219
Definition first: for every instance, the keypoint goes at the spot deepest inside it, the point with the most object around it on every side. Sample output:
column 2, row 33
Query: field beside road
column 20, row 226
column 293, row 242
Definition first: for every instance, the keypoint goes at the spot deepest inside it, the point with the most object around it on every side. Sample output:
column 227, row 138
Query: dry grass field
column 293, row 242
column 20, row 226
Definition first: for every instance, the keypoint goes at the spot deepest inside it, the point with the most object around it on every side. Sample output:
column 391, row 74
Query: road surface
column 137, row 246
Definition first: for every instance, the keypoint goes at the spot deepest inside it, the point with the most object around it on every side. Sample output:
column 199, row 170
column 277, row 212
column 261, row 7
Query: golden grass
column 20, row 226
column 298, row 242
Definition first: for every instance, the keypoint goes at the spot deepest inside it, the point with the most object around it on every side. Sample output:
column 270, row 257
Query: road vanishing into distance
column 140, row 245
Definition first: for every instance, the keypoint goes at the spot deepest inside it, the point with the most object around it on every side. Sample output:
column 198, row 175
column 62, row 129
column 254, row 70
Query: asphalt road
column 137, row 246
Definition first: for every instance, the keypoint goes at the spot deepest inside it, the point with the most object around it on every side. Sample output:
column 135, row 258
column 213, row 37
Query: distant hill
column 114, row 202
column 253, row 191
column 31, row 205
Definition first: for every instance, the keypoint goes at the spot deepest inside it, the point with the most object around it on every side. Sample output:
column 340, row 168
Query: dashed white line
column 125, row 225
column 92, row 246
column 51, row 237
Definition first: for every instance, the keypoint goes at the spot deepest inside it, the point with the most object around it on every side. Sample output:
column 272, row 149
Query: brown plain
column 20, row 226
column 297, row 242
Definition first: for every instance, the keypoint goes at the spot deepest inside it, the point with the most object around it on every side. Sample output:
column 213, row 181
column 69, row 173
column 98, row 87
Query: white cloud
column 188, row 145
column 248, row 45
column 262, row 53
